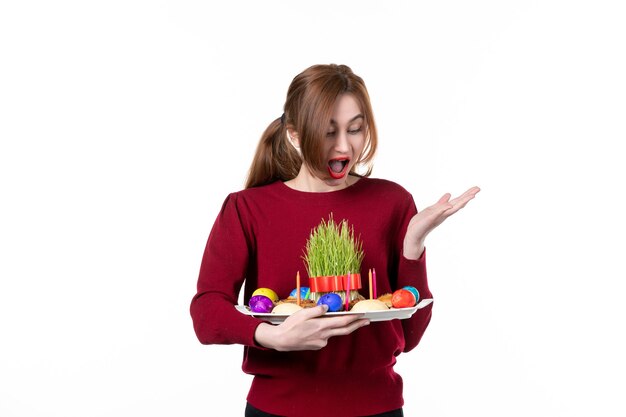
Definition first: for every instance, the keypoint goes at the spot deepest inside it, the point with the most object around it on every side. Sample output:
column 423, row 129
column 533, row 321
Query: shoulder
column 243, row 207
column 251, row 199
column 386, row 196
column 388, row 188
column 256, row 193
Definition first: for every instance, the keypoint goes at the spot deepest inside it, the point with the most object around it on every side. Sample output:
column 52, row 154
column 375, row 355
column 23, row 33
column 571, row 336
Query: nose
column 341, row 142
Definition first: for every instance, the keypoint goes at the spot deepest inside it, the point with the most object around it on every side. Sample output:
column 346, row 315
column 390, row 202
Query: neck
column 306, row 181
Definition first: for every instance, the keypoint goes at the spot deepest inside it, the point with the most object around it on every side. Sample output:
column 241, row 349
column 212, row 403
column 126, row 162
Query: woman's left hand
column 428, row 219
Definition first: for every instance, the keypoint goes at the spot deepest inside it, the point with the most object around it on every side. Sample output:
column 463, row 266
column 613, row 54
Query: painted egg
column 414, row 291
column 261, row 304
column 402, row 298
column 332, row 300
column 266, row 292
column 305, row 293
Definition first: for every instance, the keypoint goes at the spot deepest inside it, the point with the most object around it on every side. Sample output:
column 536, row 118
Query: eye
column 330, row 134
column 355, row 131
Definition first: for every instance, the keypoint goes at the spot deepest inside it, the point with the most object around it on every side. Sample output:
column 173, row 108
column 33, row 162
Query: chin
column 337, row 182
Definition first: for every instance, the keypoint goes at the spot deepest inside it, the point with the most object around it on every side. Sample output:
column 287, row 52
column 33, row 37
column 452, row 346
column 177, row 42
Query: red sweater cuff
column 413, row 272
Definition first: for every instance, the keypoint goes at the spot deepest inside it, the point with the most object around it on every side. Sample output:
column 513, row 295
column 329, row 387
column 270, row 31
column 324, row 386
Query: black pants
column 253, row 412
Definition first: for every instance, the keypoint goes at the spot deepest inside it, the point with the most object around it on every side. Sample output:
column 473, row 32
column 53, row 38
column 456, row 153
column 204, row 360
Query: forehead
column 346, row 109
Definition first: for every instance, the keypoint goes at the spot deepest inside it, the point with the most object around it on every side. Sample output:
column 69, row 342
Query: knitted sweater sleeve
column 413, row 272
column 222, row 273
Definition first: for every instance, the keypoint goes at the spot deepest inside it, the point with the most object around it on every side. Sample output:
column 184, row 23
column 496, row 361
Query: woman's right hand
column 307, row 329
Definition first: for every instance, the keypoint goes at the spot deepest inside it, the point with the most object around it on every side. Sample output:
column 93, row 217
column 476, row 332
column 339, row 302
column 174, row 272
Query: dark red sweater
column 258, row 238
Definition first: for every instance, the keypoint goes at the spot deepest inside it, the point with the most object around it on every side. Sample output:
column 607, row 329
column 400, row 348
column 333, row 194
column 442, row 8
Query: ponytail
column 274, row 159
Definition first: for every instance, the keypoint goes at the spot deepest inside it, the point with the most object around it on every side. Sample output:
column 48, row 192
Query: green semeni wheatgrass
column 332, row 249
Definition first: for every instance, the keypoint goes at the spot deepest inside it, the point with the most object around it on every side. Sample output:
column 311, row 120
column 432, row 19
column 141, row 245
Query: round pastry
column 386, row 298
column 266, row 292
column 260, row 304
column 303, row 303
column 286, row 308
column 402, row 299
column 369, row 305
column 357, row 299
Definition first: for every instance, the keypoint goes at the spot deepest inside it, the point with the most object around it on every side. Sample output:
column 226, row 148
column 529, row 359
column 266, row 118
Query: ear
column 293, row 137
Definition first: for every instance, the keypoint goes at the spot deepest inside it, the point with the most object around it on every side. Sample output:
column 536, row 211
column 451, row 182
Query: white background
column 124, row 124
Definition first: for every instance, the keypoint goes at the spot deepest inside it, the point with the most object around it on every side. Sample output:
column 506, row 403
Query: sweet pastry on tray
column 386, row 298
column 369, row 305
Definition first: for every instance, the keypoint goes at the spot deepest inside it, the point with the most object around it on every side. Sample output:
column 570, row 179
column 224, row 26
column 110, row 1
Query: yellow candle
column 298, row 288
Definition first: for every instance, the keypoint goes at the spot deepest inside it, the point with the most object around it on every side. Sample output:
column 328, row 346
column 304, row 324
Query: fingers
column 315, row 316
column 337, row 325
column 340, row 321
column 306, row 330
column 345, row 330
column 460, row 201
column 309, row 313
column 341, row 326
column 445, row 207
column 469, row 194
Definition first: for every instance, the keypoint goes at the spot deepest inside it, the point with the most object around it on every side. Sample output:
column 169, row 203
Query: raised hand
column 428, row 219
column 306, row 330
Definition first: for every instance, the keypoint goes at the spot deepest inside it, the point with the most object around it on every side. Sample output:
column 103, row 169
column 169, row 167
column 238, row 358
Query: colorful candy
column 403, row 298
column 305, row 293
column 332, row 300
column 266, row 292
column 261, row 304
column 414, row 291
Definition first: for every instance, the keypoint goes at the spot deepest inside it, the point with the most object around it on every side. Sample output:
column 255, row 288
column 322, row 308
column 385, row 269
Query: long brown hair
column 308, row 110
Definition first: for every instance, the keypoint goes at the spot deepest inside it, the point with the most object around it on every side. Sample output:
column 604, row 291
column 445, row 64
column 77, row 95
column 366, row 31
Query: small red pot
column 335, row 283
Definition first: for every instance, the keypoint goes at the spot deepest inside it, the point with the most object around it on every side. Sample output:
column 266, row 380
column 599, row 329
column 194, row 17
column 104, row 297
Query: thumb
column 444, row 198
column 314, row 311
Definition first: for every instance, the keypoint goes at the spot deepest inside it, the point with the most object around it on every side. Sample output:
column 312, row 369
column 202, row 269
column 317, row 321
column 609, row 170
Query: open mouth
column 338, row 167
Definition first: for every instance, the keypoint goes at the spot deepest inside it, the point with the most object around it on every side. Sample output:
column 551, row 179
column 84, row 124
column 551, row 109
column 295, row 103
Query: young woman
column 305, row 168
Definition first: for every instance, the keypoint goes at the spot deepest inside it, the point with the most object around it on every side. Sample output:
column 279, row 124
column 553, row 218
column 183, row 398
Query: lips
column 338, row 167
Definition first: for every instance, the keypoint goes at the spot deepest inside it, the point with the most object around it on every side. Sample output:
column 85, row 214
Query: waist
column 370, row 349
column 312, row 395
column 252, row 411
column 352, row 375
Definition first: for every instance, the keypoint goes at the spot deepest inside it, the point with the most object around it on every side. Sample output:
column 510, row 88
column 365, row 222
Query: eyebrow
column 358, row 116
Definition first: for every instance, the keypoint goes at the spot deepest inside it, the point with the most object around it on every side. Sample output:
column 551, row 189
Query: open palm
column 429, row 218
